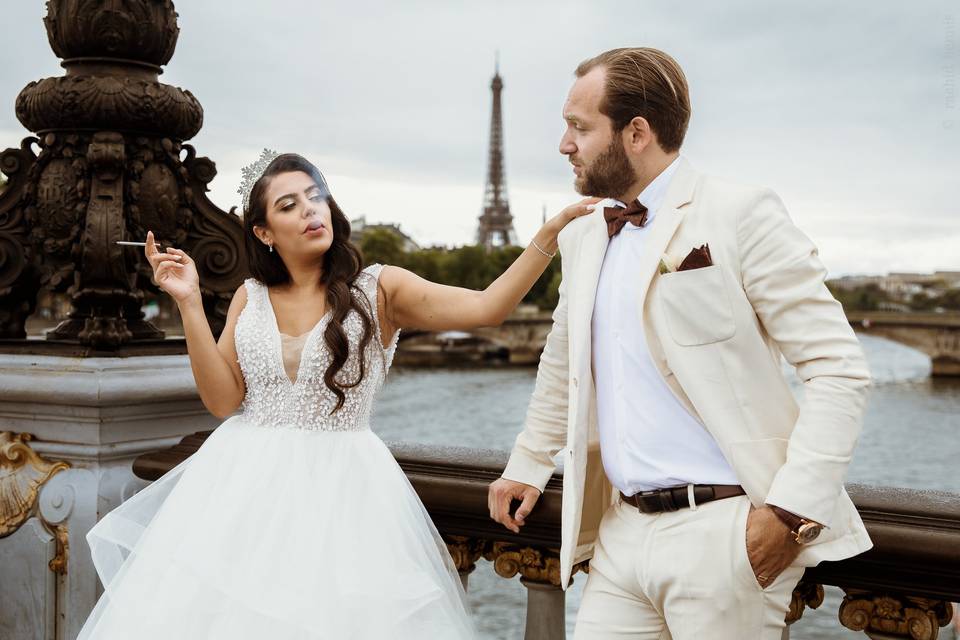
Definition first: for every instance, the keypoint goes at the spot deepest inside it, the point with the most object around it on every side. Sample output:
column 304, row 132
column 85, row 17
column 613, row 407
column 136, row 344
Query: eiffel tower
column 495, row 225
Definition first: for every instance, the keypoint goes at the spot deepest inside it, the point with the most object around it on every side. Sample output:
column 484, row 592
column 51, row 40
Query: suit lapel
column 593, row 248
column 665, row 225
column 675, row 207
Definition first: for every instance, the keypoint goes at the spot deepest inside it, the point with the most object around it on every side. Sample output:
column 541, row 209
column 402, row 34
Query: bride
column 293, row 520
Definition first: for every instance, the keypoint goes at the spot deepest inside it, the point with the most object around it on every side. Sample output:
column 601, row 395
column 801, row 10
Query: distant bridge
column 936, row 334
column 520, row 339
column 523, row 336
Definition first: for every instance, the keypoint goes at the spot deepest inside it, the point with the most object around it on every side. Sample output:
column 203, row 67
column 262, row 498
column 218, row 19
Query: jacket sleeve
column 545, row 428
column 784, row 281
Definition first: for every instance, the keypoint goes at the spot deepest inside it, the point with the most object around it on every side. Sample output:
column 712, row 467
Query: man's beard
column 609, row 176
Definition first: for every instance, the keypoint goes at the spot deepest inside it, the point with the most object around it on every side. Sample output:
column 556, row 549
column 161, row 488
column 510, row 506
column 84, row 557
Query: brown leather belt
column 676, row 498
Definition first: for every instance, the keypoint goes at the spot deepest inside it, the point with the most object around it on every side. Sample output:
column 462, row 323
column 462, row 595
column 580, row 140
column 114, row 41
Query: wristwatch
column 804, row 531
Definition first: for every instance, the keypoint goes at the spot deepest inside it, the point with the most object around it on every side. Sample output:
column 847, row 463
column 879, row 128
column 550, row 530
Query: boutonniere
column 667, row 264
column 698, row 258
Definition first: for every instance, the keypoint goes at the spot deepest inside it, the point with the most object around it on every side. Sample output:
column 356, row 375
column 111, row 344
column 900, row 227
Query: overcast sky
column 848, row 110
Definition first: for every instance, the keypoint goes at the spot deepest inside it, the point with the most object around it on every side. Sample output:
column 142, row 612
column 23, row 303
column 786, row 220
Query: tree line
column 469, row 266
column 870, row 297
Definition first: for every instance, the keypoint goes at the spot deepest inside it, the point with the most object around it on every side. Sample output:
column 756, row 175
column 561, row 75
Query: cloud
column 842, row 108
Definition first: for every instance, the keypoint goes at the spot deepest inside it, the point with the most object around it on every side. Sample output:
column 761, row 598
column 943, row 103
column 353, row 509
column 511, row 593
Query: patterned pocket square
column 697, row 259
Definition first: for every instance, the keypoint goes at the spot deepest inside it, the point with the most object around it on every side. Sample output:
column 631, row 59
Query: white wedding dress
column 288, row 523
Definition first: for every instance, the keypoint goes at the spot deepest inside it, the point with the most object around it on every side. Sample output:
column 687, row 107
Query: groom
column 693, row 481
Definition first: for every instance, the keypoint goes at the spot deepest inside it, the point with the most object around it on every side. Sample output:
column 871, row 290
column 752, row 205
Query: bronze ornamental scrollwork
column 533, row 564
column 109, row 162
column 23, row 473
column 465, row 552
column 894, row 615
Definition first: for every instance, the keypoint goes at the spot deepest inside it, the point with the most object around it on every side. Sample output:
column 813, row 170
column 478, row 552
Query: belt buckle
column 667, row 500
column 638, row 502
column 664, row 501
column 634, row 500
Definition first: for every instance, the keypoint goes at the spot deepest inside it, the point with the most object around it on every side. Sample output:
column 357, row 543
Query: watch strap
column 792, row 521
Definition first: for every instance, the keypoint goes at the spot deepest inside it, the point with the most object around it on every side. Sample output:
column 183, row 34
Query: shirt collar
column 653, row 196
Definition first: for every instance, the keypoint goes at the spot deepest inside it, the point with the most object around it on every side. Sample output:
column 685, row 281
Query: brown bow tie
column 616, row 217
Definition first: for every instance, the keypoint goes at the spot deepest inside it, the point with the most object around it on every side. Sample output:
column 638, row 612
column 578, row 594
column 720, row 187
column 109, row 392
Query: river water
column 910, row 438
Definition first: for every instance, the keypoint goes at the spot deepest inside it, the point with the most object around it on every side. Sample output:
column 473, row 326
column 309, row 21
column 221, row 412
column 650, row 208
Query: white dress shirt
column 648, row 440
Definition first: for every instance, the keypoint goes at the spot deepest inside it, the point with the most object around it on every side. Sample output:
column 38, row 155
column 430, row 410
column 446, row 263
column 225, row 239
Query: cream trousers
column 681, row 575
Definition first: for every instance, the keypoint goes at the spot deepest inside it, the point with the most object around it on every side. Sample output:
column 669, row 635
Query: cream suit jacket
column 717, row 335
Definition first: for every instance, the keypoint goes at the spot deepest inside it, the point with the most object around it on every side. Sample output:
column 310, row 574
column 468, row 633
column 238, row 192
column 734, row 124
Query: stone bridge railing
column 902, row 588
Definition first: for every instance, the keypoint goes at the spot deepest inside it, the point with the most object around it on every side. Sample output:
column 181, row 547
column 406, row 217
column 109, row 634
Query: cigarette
column 136, row 244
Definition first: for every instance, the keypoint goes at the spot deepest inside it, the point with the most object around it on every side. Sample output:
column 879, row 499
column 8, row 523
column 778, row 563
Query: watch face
column 808, row 533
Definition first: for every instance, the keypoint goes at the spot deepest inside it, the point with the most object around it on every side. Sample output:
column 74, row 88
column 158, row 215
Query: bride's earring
column 271, row 247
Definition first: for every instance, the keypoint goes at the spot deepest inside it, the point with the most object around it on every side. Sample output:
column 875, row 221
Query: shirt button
column 574, row 381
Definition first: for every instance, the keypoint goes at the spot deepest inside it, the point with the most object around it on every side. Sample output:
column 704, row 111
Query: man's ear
column 638, row 135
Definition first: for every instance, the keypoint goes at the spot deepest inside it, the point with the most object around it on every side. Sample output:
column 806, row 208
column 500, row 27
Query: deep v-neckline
column 278, row 340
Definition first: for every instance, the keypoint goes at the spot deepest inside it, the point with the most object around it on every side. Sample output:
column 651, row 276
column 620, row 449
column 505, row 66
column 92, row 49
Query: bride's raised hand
column 173, row 270
column 555, row 224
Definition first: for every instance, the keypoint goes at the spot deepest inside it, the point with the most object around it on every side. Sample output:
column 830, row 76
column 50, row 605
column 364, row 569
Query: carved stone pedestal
column 546, row 611
column 539, row 571
column 69, row 431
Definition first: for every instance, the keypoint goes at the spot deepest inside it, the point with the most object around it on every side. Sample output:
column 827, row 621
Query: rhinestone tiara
column 252, row 172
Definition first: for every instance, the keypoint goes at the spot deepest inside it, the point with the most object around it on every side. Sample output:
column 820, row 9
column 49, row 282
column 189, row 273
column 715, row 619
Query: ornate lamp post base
column 108, row 164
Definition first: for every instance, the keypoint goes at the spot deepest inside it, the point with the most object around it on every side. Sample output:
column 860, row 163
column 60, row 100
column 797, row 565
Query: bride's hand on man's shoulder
column 173, row 270
column 572, row 212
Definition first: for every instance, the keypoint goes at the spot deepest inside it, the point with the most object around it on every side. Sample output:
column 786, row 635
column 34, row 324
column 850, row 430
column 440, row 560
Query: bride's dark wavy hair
column 341, row 266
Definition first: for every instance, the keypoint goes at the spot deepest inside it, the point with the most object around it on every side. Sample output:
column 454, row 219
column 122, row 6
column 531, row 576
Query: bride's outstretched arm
column 215, row 368
column 412, row 302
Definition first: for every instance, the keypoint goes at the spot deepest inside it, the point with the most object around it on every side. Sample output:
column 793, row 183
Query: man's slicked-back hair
column 644, row 82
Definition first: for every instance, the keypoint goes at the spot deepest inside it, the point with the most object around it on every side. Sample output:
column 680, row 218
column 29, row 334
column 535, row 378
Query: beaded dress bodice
column 273, row 400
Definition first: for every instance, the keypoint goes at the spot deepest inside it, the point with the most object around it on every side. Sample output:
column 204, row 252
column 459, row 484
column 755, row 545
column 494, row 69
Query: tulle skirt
column 278, row 533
